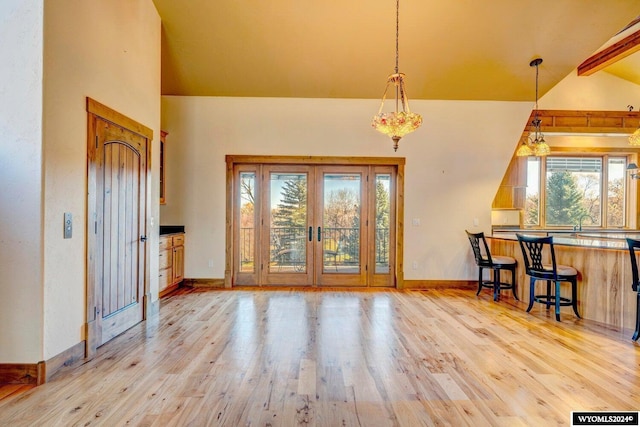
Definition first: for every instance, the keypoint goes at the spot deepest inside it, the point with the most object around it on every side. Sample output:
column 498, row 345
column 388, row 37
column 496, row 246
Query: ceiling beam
column 617, row 51
column 575, row 122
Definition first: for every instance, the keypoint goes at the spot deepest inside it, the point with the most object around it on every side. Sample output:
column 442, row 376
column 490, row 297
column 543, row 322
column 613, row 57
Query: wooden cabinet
column 171, row 263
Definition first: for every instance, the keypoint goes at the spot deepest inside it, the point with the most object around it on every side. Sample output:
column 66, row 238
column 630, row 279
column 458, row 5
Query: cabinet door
column 178, row 264
column 165, row 279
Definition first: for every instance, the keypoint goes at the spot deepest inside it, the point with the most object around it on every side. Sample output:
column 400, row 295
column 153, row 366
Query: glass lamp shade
column 541, row 148
column 396, row 124
column 634, row 138
column 524, row 150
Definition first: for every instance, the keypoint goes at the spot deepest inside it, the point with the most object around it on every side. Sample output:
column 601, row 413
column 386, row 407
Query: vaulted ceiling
column 449, row 49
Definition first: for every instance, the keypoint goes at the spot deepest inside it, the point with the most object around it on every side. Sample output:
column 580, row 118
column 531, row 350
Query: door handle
column 319, row 233
column 143, row 238
column 310, row 233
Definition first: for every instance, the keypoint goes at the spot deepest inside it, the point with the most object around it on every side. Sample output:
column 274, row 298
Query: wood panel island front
column 604, row 273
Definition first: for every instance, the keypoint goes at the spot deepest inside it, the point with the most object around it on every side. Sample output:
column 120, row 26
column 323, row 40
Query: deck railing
column 341, row 245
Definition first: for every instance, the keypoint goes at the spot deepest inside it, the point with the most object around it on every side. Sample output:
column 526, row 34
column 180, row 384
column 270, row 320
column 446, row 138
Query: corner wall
column 21, row 251
column 108, row 50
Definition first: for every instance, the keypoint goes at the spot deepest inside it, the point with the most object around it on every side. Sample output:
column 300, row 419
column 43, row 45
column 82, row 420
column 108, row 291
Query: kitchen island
column 604, row 272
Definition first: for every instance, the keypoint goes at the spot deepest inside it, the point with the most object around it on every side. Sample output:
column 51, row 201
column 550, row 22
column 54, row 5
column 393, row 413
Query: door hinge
column 96, row 141
column 95, row 227
column 366, row 267
column 95, row 312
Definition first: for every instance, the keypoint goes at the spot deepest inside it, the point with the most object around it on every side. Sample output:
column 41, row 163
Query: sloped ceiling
column 449, row 49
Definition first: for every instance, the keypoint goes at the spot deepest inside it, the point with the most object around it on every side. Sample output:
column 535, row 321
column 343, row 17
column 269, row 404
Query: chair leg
column 532, row 289
column 513, row 284
column 574, row 296
column 637, row 332
column 496, row 284
column 548, row 294
column 557, row 300
column 479, row 280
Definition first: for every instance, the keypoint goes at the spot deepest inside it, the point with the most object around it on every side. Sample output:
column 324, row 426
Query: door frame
column 232, row 160
column 98, row 110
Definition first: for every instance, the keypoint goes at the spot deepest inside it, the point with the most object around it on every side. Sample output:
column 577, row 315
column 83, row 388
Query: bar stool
column 532, row 250
column 633, row 245
column 496, row 263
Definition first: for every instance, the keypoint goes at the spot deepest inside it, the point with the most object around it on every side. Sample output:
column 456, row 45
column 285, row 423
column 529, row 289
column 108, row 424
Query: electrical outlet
column 476, row 222
column 210, row 263
column 415, row 222
column 414, row 265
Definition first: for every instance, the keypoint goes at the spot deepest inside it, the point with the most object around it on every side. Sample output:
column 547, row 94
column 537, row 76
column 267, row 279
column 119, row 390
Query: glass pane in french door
column 341, row 237
column 247, row 235
column 383, row 216
column 288, row 234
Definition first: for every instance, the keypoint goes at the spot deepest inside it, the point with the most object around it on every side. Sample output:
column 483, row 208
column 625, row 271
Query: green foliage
column 532, row 210
column 382, row 206
column 292, row 209
column 564, row 204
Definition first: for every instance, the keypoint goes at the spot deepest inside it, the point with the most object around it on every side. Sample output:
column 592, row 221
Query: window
column 571, row 190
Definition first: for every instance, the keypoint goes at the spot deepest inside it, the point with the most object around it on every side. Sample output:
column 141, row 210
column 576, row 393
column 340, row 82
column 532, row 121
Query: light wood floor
column 341, row 358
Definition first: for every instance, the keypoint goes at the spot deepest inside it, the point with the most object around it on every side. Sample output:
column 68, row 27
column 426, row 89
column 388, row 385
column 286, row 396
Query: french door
column 313, row 225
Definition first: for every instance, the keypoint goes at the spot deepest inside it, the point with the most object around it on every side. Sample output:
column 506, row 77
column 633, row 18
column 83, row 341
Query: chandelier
column 398, row 123
column 536, row 146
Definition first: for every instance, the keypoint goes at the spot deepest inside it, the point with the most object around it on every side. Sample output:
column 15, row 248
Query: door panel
column 342, row 196
column 246, row 233
column 120, row 172
column 382, row 233
column 287, row 252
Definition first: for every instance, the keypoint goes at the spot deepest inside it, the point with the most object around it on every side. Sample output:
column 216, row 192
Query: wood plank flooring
column 290, row 357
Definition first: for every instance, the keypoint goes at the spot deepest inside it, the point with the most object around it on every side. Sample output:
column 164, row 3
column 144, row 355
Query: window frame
column 631, row 189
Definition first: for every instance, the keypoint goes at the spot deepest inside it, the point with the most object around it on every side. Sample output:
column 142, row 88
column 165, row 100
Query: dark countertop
column 171, row 229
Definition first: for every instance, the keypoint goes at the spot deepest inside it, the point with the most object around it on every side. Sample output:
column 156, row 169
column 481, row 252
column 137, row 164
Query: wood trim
column 233, row 159
column 163, row 168
column 229, row 221
column 315, row 160
column 95, row 111
column 585, row 121
column 168, row 290
column 440, row 284
column 66, row 358
column 205, row 283
column 22, row 373
column 117, row 118
column 400, row 283
column 610, row 55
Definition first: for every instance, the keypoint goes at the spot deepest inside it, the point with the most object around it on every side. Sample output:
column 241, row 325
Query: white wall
column 108, row 50
column 21, row 255
column 455, row 163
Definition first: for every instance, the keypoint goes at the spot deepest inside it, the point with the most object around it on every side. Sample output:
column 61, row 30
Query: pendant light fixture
column 536, row 146
column 634, row 138
column 398, row 123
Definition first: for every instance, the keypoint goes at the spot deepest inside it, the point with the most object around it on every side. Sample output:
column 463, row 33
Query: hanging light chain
column 397, row 33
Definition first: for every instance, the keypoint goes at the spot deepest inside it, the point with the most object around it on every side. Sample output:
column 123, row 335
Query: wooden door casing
column 257, row 168
column 118, row 172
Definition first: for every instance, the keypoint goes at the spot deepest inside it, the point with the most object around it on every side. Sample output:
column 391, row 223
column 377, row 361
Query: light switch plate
column 68, row 225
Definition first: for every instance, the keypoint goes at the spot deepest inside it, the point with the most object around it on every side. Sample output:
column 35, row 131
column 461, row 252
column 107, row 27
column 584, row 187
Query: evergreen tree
column 292, row 209
column 564, row 200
